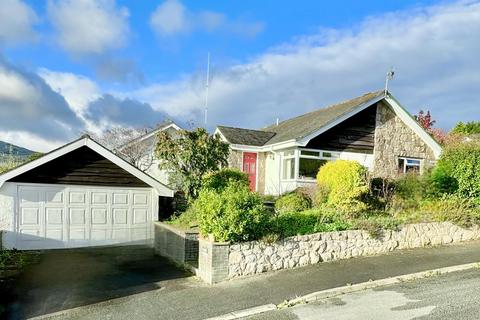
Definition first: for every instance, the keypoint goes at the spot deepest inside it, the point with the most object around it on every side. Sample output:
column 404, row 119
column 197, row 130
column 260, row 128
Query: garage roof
column 86, row 141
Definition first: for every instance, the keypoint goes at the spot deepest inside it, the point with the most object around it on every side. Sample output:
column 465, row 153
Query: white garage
column 80, row 195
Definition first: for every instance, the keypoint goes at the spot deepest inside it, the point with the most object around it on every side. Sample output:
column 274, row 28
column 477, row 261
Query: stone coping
column 176, row 229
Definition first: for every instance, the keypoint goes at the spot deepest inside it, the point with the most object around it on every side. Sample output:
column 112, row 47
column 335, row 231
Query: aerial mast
column 207, row 83
column 389, row 77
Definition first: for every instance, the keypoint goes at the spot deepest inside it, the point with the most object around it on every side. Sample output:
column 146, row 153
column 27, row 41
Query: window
column 310, row 153
column 309, row 167
column 406, row 165
column 289, row 168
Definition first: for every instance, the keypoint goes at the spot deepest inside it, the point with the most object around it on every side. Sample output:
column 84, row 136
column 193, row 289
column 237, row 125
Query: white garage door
column 68, row 217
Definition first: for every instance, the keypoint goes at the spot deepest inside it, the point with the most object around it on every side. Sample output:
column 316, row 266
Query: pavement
column 65, row 279
column 191, row 299
column 446, row 297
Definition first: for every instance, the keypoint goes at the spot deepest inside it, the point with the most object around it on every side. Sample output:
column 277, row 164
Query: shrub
column 461, row 162
column 410, row 186
column 293, row 202
column 375, row 224
column 440, row 182
column 186, row 219
column 453, row 208
column 345, row 183
column 308, row 221
column 218, row 180
column 472, row 127
column 295, row 223
column 233, row 214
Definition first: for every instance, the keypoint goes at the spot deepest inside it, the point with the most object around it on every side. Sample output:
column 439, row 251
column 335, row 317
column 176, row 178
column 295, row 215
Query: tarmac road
column 452, row 296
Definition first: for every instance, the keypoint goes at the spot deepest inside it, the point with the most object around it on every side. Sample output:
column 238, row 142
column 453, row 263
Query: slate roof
column 298, row 127
column 246, row 136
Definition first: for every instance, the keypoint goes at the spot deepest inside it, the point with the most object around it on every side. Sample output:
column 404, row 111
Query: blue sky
column 70, row 66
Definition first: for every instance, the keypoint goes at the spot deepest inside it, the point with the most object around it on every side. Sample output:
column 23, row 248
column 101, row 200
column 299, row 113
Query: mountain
column 7, row 149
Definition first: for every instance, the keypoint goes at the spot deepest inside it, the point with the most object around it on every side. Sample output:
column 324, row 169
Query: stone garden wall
column 222, row 261
column 257, row 257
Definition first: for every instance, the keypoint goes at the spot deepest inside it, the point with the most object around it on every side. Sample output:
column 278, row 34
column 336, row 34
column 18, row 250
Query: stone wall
column 261, row 172
column 235, row 159
column 178, row 245
column 393, row 139
column 256, row 257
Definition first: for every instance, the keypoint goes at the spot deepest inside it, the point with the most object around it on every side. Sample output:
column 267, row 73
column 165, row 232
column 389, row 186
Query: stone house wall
column 261, row 172
column 235, row 159
column 393, row 139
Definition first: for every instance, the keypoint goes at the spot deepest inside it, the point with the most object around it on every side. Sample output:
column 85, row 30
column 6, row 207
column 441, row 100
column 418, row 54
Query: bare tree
column 126, row 143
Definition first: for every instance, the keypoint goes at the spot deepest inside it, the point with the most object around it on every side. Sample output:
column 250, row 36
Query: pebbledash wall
column 222, row 261
column 394, row 139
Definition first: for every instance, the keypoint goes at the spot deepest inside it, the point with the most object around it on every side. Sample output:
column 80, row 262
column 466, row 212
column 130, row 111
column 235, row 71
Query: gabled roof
column 306, row 124
column 245, row 136
column 298, row 127
column 95, row 146
column 163, row 126
column 299, row 130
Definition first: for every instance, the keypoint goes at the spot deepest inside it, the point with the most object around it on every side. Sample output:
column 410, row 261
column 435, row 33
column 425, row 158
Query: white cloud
column 171, row 18
column 434, row 51
column 28, row 104
column 78, row 90
column 89, row 26
column 16, row 21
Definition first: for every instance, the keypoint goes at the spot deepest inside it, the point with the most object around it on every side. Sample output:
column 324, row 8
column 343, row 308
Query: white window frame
column 405, row 165
column 282, row 167
column 297, row 155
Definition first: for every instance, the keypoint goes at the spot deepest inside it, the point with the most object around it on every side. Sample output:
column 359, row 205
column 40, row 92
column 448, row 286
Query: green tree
column 472, row 127
column 190, row 156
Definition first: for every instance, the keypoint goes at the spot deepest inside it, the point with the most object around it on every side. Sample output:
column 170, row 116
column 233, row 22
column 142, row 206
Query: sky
column 71, row 66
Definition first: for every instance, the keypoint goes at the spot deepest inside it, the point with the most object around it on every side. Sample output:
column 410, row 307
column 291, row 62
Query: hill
column 19, row 153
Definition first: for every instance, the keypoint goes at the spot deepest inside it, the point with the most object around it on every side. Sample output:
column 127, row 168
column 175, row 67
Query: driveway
column 65, row 279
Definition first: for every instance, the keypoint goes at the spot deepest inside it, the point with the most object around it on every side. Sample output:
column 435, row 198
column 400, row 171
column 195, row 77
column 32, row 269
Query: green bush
column 308, row 221
column 440, row 182
column 472, row 127
column 292, row 202
column 375, row 224
column 185, row 220
column 218, row 180
column 461, row 162
column 411, row 186
column 454, row 208
column 345, row 184
column 295, row 223
column 232, row 214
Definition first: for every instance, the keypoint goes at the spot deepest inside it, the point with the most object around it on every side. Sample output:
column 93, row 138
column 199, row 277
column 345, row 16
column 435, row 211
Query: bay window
column 303, row 164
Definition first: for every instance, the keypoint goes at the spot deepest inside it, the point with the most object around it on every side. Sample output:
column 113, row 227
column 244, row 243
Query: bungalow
column 144, row 146
column 373, row 129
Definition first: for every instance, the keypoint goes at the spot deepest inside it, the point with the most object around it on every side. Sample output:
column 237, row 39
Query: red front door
column 250, row 168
